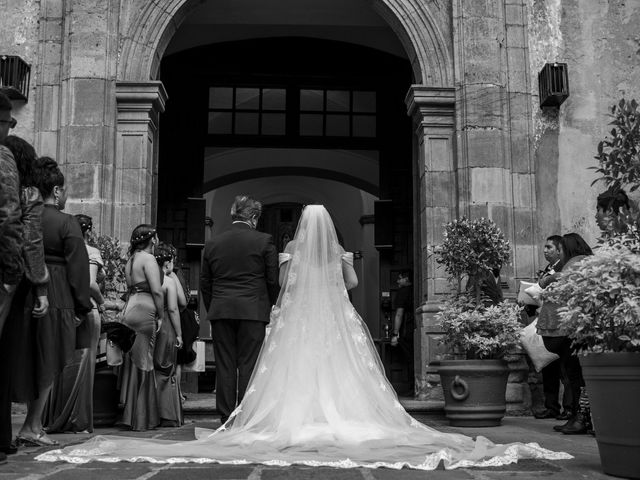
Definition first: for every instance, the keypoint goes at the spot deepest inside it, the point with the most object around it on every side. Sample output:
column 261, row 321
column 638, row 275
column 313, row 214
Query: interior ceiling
column 351, row 21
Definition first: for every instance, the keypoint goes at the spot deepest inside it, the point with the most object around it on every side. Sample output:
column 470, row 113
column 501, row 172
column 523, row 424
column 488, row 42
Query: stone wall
column 600, row 42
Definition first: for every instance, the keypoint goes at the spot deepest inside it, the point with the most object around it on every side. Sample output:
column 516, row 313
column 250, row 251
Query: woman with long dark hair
column 143, row 314
column 60, row 332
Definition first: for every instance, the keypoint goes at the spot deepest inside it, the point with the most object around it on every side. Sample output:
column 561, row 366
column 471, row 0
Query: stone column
column 432, row 110
column 135, row 170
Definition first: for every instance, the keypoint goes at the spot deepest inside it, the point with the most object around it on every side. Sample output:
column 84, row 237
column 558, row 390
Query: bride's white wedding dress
column 318, row 395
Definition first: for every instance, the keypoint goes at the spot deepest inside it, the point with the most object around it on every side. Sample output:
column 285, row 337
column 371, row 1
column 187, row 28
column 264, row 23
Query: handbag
column 524, row 295
column 114, row 354
column 198, row 365
column 534, row 346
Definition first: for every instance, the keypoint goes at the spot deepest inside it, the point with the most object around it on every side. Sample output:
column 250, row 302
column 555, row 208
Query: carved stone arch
column 417, row 30
column 151, row 28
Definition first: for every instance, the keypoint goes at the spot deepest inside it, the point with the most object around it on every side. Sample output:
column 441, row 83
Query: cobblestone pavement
column 585, row 465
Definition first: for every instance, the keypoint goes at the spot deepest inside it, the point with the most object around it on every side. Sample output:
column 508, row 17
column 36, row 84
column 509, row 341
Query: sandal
column 40, row 440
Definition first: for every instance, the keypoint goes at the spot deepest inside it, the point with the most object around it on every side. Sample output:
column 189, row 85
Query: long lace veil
column 318, row 394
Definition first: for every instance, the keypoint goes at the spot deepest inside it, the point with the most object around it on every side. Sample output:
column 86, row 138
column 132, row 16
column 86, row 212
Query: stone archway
column 422, row 30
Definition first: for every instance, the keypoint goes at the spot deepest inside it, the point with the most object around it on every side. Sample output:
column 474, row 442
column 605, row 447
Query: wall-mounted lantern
column 15, row 75
column 553, row 84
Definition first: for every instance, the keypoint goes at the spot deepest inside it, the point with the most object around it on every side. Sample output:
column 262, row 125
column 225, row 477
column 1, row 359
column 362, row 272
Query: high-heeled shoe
column 40, row 440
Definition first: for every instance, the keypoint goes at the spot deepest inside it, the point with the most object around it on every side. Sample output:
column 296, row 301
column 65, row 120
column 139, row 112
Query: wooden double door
column 280, row 220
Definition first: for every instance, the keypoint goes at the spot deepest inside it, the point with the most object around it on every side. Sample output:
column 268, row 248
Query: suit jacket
column 239, row 278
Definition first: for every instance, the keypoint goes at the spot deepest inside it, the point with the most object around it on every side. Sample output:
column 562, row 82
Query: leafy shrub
column 114, row 261
column 478, row 331
column 601, row 295
column 472, row 248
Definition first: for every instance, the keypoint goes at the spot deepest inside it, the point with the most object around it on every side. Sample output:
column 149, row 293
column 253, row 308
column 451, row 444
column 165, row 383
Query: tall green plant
column 114, row 262
column 472, row 248
column 619, row 155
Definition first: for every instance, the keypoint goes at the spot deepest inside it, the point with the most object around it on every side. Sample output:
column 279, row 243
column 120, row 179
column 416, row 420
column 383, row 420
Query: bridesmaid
column 168, row 341
column 69, row 303
column 143, row 313
column 70, row 405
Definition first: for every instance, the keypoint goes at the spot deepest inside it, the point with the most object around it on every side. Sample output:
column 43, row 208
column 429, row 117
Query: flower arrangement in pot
column 477, row 325
column 601, row 298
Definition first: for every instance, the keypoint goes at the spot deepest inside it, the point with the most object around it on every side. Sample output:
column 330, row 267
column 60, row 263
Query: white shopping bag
column 534, row 346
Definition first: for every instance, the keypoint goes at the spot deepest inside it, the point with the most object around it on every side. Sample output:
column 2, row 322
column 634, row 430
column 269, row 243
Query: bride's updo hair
column 164, row 252
column 245, row 208
column 140, row 237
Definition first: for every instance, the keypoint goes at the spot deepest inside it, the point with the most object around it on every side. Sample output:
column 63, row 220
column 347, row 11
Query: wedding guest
column 552, row 374
column 574, row 249
column 168, row 341
column 143, row 313
column 69, row 300
column 17, row 354
column 402, row 303
column 70, row 405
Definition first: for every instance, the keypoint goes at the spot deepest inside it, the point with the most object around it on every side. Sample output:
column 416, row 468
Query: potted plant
column 602, row 305
column 478, row 330
column 105, row 392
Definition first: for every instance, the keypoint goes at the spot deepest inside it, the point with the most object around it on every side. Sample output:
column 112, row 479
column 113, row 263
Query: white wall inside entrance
column 346, row 204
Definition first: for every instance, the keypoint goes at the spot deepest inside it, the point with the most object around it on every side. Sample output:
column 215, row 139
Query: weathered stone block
column 50, row 98
column 51, row 8
column 84, row 144
column 439, row 187
column 490, row 185
column 514, row 14
column 46, row 144
column 87, row 101
column 484, row 104
column 82, row 180
column 514, row 393
column 523, row 190
column 523, row 225
column 485, row 147
column 51, row 30
column 438, row 154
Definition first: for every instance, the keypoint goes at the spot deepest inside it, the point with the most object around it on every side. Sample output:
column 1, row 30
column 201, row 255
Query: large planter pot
column 105, row 398
column 613, row 387
column 474, row 391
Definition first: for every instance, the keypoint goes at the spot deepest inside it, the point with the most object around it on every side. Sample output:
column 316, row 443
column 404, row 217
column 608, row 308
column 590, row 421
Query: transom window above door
column 247, row 111
column 292, row 111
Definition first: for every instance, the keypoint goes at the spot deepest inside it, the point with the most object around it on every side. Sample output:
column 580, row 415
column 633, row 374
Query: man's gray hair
column 245, row 208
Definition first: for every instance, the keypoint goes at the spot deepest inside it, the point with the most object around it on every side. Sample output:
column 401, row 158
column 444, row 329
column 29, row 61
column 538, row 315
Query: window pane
column 337, row 101
column 274, row 99
column 220, row 122
column 364, row 102
column 311, row 100
column 364, row 126
column 247, row 123
column 247, row 98
column 310, row 124
column 273, row 123
column 220, row 97
column 338, row 125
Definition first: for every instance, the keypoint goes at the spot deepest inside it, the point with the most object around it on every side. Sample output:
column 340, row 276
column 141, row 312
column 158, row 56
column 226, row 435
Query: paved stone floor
column 585, row 465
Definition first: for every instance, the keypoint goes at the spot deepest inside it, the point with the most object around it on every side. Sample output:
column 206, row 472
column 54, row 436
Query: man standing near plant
column 551, row 374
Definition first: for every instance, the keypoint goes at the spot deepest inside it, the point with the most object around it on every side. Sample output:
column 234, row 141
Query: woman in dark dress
column 68, row 264
column 70, row 405
column 143, row 314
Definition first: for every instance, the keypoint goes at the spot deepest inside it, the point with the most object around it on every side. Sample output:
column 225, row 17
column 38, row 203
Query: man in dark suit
column 239, row 284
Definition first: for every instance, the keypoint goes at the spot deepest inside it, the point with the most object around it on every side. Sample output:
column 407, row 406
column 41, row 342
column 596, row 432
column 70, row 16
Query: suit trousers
column 569, row 366
column 236, row 345
column 551, row 378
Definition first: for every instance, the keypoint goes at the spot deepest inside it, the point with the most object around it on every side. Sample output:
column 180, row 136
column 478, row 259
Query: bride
column 318, row 394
